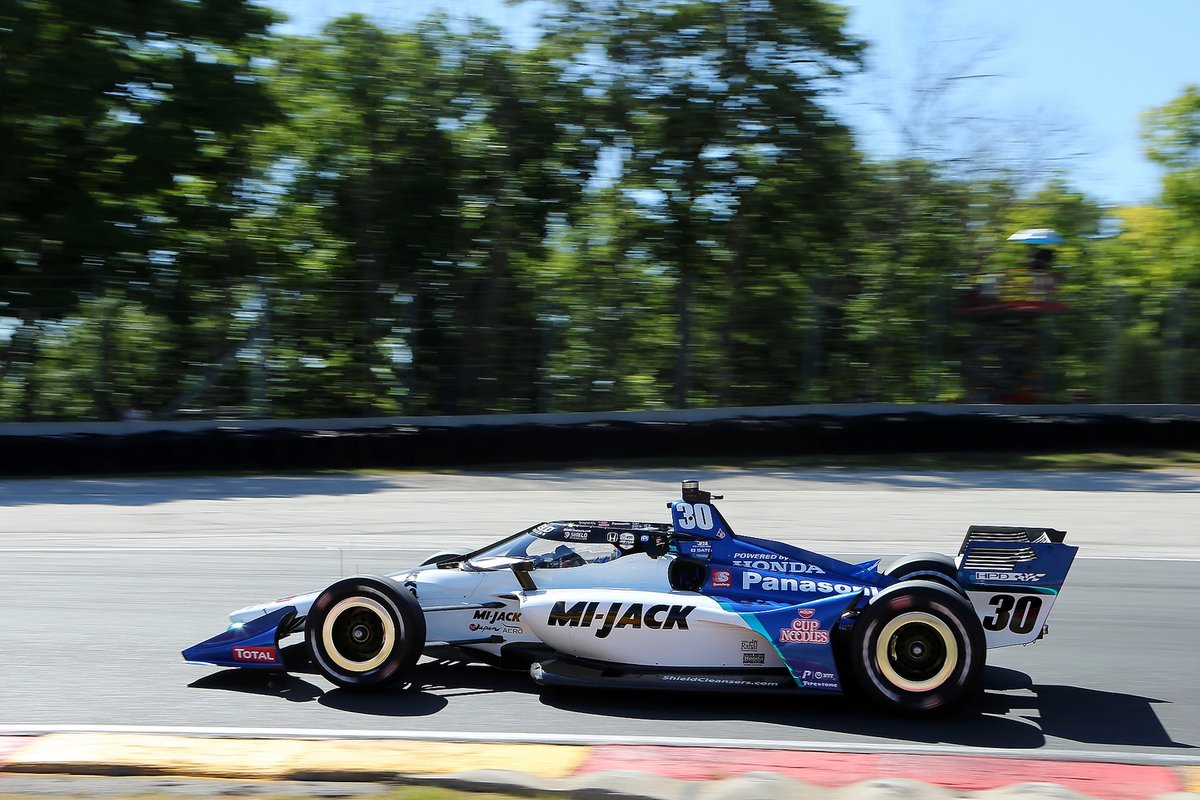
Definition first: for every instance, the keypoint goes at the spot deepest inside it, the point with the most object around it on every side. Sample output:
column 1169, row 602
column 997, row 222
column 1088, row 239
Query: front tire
column 918, row 648
column 365, row 633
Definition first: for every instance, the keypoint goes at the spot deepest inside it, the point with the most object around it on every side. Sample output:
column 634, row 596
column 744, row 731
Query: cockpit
column 559, row 545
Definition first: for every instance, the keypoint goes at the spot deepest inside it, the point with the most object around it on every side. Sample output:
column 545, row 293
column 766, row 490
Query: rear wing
column 1012, row 576
column 1004, row 533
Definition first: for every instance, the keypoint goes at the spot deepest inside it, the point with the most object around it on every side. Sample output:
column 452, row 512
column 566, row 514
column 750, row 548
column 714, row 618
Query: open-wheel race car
column 686, row 605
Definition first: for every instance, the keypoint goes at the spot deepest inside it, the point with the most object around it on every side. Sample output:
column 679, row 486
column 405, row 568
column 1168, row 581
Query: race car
column 687, row 605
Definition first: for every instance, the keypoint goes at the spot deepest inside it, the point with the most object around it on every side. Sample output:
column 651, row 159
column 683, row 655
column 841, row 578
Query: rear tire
column 934, row 567
column 365, row 633
column 918, row 648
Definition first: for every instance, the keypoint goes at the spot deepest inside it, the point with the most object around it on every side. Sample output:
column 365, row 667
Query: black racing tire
column 841, row 641
column 365, row 633
column 437, row 558
column 934, row 567
column 918, row 649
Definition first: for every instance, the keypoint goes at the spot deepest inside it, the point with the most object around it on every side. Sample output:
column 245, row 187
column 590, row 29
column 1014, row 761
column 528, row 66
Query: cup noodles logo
column 804, row 631
column 254, row 654
column 722, row 578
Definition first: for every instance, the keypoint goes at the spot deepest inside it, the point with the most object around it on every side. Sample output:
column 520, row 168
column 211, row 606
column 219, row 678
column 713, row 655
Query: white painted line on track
column 585, row 739
column 1136, row 558
column 195, row 549
column 424, row 550
column 370, row 546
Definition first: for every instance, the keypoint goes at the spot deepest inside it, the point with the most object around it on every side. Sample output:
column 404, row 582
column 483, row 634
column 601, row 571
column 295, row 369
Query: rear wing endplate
column 1012, row 576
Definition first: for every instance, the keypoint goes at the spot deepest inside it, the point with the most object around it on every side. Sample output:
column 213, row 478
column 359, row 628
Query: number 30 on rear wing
column 1012, row 576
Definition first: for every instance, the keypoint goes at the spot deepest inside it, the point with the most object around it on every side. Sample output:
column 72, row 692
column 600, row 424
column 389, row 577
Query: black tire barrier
column 410, row 446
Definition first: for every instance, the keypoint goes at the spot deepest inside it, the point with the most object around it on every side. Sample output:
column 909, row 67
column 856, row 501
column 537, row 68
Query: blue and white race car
column 689, row 605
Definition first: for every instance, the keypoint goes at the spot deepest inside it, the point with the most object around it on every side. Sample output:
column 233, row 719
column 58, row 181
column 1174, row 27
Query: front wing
column 248, row 644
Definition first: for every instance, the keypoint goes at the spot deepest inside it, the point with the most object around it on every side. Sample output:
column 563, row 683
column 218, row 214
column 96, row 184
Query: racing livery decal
column 254, row 654
column 583, row 613
column 772, row 583
column 1021, row 577
column 774, row 562
column 478, row 627
column 815, row 679
column 804, row 630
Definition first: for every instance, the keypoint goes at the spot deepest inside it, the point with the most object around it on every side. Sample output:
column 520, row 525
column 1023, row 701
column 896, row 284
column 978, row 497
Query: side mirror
column 658, row 546
column 521, row 570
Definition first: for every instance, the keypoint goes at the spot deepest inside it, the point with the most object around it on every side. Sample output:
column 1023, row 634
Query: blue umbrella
column 1036, row 236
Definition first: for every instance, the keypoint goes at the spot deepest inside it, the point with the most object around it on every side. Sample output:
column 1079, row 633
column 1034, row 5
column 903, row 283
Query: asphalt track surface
column 103, row 581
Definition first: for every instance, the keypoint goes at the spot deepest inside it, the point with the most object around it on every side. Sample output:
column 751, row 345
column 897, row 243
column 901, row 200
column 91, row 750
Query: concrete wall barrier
column 275, row 445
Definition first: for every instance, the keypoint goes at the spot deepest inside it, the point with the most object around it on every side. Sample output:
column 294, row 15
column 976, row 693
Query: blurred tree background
column 654, row 206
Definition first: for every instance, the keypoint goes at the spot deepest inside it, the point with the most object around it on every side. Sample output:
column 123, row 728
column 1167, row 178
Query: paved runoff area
column 142, row 567
column 630, row 771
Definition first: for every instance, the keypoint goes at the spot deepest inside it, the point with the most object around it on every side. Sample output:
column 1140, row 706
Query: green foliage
column 124, row 135
column 1172, row 135
column 652, row 207
column 108, row 360
column 418, row 173
column 713, row 109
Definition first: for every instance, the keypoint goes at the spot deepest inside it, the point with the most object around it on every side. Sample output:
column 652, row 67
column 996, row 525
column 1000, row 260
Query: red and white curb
column 619, row 766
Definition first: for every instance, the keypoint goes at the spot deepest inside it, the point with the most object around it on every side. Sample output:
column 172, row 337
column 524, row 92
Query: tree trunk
column 1173, row 347
column 739, row 243
column 24, row 350
column 259, row 401
column 372, row 257
column 812, row 339
column 683, row 292
column 1116, row 324
column 683, row 366
column 102, row 390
